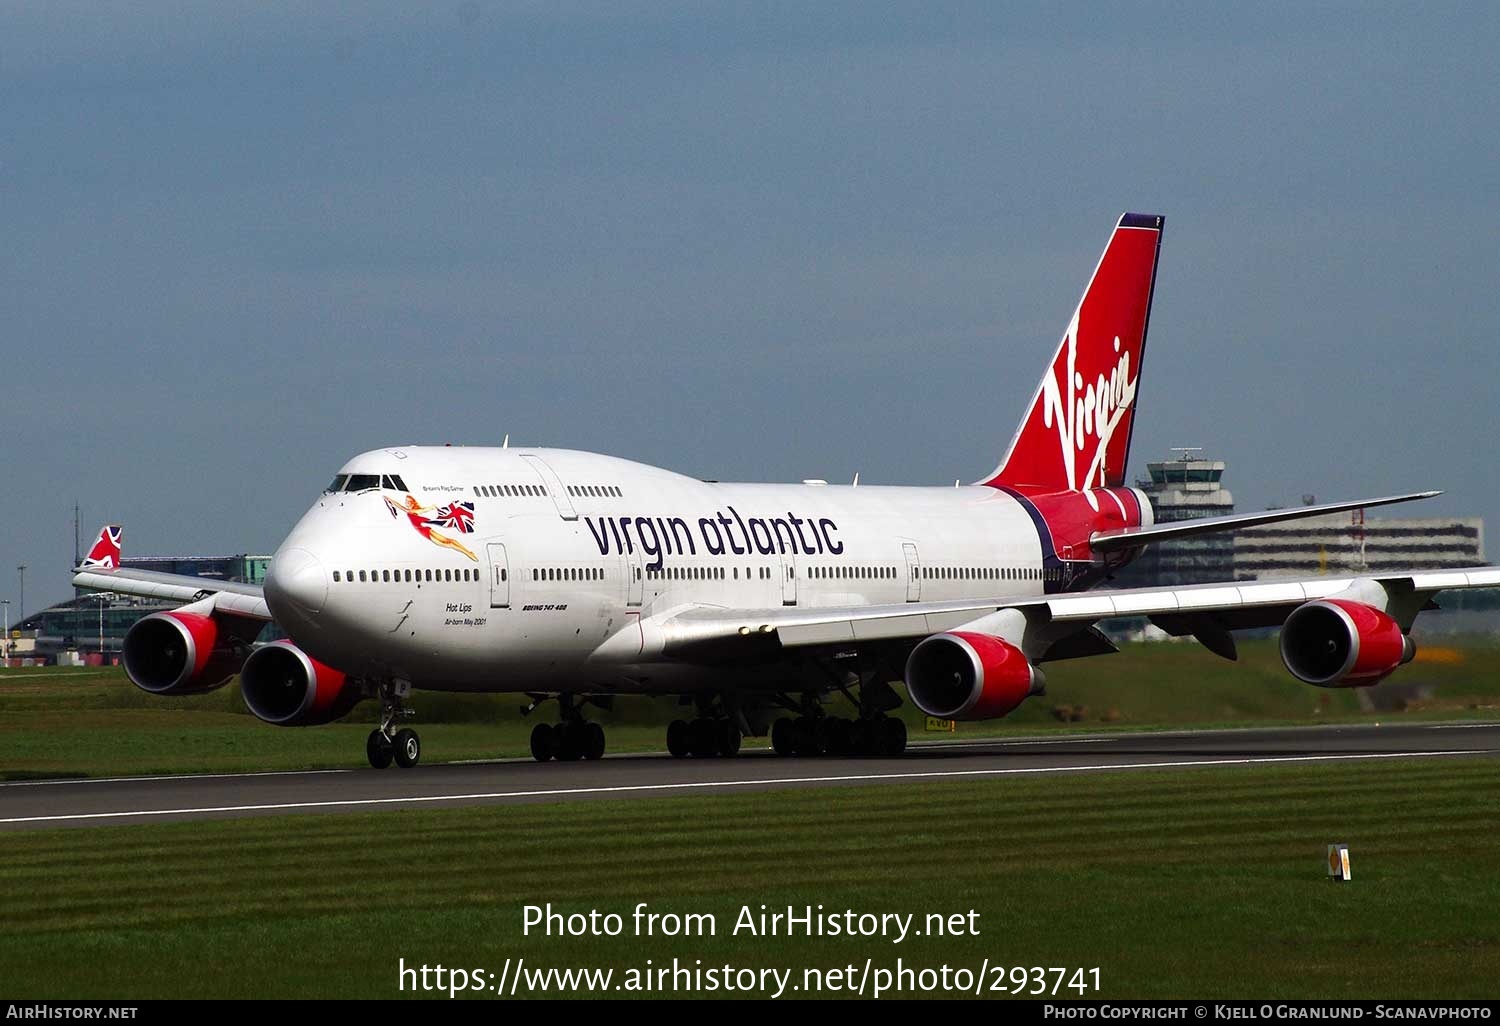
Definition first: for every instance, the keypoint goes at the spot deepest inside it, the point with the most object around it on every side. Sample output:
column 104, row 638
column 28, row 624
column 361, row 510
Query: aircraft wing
column 1208, row 611
column 232, row 597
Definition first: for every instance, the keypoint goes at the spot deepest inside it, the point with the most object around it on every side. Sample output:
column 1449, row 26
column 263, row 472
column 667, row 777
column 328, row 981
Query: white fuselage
column 560, row 551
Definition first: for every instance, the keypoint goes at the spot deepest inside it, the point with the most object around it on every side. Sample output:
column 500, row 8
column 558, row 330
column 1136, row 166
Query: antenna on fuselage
column 856, row 480
column 506, row 444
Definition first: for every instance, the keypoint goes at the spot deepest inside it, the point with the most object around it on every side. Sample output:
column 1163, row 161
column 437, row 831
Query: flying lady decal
column 427, row 520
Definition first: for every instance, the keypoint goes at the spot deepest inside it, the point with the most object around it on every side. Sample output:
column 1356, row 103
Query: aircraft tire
column 678, row 734
column 862, row 735
column 408, row 748
column 837, row 737
column 833, row 735
column 543, row 742
column 703, row 738
column 892, row 737
column 807, row 736
column 569, row 742
column 379, row 750
column 729, row 738
column 781, row 738
column 593, row 741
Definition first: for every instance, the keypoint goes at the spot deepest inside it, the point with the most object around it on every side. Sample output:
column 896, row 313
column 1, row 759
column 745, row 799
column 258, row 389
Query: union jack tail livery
column 1076, row 432
column 105, row 554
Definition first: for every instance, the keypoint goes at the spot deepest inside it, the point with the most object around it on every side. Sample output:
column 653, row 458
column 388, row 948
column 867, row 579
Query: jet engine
column 1339, row 643
column 285, row 686
column 962, row 675
column 180, row 653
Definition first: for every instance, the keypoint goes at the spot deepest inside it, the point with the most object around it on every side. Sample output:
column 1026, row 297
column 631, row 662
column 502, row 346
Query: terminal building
column 93, row 624
column 1351, row 543
column 1338, row 544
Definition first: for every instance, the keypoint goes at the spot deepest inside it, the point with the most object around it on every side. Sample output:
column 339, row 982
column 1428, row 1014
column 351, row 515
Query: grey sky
column 770, row 241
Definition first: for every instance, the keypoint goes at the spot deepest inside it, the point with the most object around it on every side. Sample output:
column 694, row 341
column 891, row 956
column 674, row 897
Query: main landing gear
column 387, row 744
column 714, row 732
column 704, row 737
column 834, row 735
column 573, row 739
column 871, row 733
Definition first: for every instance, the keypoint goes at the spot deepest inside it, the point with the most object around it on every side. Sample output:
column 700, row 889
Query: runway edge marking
column 708, row 784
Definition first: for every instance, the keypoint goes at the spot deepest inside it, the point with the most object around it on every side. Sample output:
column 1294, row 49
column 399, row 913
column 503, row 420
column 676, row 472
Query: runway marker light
column 1338, row 862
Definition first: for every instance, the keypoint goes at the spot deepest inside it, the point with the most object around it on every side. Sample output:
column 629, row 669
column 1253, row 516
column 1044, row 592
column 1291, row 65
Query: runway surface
column 80, row 803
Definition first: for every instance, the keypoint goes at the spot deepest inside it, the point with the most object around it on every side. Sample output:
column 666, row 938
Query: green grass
column 61, row 722
column 1207, row 882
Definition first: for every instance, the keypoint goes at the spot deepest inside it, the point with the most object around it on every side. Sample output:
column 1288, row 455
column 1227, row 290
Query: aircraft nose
column 296, row 579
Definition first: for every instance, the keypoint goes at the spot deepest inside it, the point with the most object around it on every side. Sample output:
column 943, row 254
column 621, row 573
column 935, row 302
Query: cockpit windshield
column 360, row 482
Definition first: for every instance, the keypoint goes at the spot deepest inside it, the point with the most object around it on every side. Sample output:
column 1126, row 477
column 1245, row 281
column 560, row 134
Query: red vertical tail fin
column 105, row 553
column 1076, row 433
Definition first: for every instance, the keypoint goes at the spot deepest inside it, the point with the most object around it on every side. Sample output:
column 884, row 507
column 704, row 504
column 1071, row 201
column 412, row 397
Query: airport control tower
column 1184, row 488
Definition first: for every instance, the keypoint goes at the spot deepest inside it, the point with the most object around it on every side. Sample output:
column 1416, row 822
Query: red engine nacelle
column 961, row 675
column 284, row 685
column 1339, row 643
column 177, row 653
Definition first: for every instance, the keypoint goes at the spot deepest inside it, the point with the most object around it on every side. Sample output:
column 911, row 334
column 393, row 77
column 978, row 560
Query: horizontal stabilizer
column 1134, row 537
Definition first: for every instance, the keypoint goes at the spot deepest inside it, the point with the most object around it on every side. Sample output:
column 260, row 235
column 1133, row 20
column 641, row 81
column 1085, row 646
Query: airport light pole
column 101, row 597
column 22, row 571
column 5, row 638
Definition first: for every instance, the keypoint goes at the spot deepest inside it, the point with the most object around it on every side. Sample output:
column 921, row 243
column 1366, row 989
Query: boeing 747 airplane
column 788, row 609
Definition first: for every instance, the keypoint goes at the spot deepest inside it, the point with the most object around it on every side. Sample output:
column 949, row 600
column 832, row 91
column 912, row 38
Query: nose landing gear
column 387, row 744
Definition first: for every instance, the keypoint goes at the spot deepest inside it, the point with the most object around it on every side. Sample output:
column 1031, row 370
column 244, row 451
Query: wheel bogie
column 805, row 736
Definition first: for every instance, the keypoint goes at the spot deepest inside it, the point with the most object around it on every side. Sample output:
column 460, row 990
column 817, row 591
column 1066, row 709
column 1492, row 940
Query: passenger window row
column 404, row 576
column 857, row 573
column 708, row 573
column 509, row 491
column 990, row 573
column 692, row 573
column 567, row 573
column 596, row 491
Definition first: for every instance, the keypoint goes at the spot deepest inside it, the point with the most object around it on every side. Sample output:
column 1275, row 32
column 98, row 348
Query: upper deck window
column 360, row 482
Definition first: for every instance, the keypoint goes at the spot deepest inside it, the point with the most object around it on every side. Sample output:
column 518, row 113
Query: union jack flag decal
column 458, row 516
